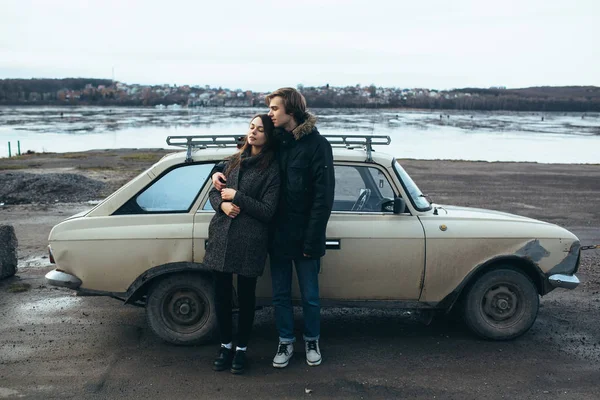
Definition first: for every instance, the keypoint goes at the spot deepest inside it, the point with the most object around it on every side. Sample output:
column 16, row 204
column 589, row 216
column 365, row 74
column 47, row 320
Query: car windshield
column 417, row 198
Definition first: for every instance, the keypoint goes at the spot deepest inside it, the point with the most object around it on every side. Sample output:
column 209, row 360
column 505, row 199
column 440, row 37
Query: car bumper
column 564, row 281
column 62, row 279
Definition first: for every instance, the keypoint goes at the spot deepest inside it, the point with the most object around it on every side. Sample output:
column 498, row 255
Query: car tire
column 181, row 309
column 501, row 305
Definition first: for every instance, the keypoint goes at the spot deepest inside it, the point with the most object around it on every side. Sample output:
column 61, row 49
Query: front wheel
column 181, row 309
column 502, row 304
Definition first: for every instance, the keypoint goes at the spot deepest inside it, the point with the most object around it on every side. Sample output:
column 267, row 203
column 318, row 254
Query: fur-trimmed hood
column 306, row 127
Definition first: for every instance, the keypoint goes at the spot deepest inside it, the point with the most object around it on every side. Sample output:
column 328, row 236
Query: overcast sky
column 263, row 45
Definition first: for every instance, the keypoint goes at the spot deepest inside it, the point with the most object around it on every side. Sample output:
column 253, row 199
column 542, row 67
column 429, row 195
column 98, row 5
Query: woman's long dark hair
column 267, row 153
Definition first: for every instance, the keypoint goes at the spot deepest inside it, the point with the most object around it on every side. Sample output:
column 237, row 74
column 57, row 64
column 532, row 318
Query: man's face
column 278, row 115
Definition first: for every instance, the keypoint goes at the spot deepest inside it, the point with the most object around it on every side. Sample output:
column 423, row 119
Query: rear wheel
column 502, row 304
column 181, row 310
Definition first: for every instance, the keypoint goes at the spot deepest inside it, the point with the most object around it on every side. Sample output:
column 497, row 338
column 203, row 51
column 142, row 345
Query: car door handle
column 332, row 244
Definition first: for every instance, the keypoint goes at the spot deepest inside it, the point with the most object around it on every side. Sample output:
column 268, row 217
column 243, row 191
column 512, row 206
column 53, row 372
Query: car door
column 372, row 253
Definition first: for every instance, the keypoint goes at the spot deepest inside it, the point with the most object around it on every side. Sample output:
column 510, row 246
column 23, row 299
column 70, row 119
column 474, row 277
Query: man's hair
column 293, row 102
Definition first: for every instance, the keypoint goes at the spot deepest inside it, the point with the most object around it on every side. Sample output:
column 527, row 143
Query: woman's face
column 256, row 133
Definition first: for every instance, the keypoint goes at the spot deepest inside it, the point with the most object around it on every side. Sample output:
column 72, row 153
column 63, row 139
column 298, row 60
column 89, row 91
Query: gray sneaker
column 284, row 353
column 313, row 353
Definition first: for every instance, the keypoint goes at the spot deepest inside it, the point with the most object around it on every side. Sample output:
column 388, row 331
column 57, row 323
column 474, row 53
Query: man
column 306, row 198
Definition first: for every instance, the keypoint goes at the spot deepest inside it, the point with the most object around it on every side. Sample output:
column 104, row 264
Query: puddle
column 55, row 310
column 34, row 262
column 6, row 393
column 48, row 305
column 15, row 352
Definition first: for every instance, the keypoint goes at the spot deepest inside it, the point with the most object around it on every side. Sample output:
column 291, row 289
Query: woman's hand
column 228, row 194
column 230, row 209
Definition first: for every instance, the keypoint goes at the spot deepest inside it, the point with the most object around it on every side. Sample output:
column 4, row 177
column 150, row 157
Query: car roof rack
column 203, row 142
column 365, row 142
column 190, row 142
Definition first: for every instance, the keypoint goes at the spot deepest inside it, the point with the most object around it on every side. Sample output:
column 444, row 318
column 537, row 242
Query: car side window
column 382, row 183
column 175, row 191
column 362, row 189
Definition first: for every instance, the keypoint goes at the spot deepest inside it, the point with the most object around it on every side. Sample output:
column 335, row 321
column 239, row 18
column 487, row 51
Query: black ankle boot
column 223, row 360
column 239, row 362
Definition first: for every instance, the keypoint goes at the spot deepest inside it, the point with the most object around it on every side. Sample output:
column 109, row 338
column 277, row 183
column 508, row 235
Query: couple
column 275, row 195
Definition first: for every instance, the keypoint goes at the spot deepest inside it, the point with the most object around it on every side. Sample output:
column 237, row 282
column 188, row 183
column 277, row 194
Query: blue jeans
column 307, row 271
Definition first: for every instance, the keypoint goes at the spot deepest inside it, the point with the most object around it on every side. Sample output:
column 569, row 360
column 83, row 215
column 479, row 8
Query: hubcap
column 183, row 309
column 501, row 303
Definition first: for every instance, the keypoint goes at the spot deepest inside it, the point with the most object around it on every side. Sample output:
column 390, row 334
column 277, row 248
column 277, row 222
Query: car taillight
column 50, row 255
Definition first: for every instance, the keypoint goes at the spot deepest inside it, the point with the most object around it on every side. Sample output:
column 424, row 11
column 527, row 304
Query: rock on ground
column 8, row 251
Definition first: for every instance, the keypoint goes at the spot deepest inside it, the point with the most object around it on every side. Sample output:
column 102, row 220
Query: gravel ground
column 25, row 188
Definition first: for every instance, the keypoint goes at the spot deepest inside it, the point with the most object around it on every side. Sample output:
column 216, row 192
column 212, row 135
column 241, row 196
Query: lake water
column 450, row 135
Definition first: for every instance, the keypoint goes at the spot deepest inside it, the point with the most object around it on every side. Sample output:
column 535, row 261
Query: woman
column 238, row 235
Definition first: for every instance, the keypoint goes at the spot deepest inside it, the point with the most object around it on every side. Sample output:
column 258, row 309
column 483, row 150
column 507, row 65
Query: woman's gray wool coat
column 239, row 245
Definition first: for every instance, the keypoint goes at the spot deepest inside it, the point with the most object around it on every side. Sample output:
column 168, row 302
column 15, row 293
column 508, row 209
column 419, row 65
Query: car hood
column 481, row 223
column 481, row 213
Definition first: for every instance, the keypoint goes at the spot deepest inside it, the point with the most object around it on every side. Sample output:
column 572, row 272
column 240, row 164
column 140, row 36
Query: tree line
column 84, row 91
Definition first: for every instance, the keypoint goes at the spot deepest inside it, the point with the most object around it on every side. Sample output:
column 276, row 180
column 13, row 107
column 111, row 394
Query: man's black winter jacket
column 306, row 196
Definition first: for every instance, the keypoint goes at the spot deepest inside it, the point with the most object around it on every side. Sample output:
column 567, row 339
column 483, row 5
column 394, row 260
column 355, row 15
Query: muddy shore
column 54, row 344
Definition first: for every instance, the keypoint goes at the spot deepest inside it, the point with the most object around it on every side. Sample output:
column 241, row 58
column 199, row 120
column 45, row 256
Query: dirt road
column 57, row 345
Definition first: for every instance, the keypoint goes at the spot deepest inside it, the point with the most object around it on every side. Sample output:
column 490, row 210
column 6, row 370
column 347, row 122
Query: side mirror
column 399, row 205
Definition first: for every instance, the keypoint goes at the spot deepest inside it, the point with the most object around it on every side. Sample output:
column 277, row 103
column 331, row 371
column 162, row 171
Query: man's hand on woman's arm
column 219, row 180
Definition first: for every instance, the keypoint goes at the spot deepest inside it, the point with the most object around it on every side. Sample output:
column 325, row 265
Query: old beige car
column 387, row 246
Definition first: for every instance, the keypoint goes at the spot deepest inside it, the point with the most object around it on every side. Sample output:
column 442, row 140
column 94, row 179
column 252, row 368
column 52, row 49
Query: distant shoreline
column 263, row 107
column 103, row 92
